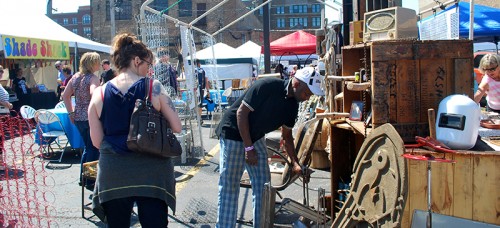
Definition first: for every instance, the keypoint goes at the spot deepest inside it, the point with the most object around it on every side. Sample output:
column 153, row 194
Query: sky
column 40, row 6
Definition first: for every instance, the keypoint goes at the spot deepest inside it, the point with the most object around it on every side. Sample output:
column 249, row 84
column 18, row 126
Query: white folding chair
column 60, row 105
column 48, row 135
column 28, row 114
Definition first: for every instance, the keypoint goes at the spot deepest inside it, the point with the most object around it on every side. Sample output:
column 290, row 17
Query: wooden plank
column 462, row 190
column 340, row 166
column 432, row 87
column 406, row 92
column 442, row 186
column 353, row 57
column 382, row 75
column 417, row 186
column 407, row 212
column 408, row 131
column 414, row 50
column 486, row 179
column 463, row 81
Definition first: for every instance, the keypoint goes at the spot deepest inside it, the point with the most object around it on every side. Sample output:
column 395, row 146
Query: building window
column 160, row 5
column 75, row 31
column 298, row 9
column 86, row 19
column 316, row 22
column 280, row 10
column 87, row 31
column 186, row 8
column 261, row 10
column 316, row 8
column 123, row 10
column 201, row 8
column 280, row 22
column 65, row 21
column 75, row 20
column 298, row 21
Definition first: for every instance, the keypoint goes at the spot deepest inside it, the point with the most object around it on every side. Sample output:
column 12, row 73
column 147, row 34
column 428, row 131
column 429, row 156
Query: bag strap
column 149, row 88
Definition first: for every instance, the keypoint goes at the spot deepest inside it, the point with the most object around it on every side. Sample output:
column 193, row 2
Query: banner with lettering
column 32, row 48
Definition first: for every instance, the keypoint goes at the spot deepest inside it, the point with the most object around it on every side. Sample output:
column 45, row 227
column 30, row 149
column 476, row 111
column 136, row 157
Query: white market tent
column 230, row 63
column 40, row 26
column 249, row 49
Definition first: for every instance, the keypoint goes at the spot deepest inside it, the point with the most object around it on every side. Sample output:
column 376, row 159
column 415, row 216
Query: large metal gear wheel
column 379, row 186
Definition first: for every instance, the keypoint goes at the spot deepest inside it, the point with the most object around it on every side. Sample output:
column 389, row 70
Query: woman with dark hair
column 125, row 177
column 66, row 70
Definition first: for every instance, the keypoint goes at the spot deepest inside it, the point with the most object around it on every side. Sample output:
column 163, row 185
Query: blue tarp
column 486, row 22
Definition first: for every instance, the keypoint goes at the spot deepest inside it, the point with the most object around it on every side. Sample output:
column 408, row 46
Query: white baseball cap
column 312, row 78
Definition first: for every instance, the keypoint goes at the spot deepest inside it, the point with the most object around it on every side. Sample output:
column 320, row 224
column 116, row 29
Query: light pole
column 112, row 17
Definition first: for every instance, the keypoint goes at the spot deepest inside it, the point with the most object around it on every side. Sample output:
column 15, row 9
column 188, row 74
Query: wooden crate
column 409, row 77
column 467, row 189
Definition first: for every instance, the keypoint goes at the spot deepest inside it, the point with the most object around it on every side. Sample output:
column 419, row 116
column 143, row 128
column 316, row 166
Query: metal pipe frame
column 206, row 13
column 436, row 7
column 240, row 18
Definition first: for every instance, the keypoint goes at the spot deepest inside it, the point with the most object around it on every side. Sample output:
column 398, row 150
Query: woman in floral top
column 82, row 85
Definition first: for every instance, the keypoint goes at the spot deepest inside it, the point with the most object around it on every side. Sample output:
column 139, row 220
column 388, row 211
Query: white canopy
column 249, row 49
column 221, row 50
column 32, row 25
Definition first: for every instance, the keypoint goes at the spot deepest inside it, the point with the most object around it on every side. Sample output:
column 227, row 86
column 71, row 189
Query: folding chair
column 60, row 105
column 50, row 129
column 28, row 114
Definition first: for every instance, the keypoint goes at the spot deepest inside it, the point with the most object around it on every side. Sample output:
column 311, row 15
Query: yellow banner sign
column 31, row 48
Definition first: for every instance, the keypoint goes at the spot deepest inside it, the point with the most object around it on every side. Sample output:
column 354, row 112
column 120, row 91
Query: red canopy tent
column 298, row 43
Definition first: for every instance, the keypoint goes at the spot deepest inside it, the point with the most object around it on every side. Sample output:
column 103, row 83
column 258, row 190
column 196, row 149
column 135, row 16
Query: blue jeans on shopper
column 90, row 152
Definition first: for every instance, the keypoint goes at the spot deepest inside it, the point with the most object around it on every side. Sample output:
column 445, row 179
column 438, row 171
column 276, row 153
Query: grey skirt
column 133, row 174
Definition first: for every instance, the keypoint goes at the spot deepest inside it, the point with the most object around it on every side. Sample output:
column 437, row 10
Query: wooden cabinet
column 407, row 78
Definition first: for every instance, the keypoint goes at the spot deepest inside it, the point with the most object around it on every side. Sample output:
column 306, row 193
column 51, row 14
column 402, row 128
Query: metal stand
column 429, row 158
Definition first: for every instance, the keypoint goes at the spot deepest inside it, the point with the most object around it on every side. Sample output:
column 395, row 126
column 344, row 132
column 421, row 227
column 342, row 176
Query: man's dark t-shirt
column 267, row 98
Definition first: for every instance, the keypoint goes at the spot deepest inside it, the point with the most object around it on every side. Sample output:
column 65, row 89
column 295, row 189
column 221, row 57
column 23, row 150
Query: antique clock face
column 380, row 21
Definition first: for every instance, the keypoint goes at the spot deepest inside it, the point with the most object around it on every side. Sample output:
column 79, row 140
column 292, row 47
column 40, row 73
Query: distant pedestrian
column 60, row 78
column 268, row 104
column 105, row 75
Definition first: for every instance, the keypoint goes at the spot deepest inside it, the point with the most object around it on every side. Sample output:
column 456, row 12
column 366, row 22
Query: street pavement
column 197, row 190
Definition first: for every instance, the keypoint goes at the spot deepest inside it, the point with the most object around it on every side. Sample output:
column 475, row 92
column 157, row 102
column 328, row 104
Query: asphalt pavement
column 197, row 189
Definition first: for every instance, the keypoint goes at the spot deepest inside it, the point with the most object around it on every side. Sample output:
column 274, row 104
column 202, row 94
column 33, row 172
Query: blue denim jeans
column 90, row 152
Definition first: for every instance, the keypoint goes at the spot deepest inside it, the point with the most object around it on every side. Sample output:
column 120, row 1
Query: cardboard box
column 356, row 32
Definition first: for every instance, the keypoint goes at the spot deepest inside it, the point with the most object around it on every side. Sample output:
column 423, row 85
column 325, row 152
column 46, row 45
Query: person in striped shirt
column 4, row 95
column 4, row 101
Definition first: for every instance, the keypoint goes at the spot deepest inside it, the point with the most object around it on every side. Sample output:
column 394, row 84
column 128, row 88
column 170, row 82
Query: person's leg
column 152, row 212
column 118, row 212
column 259, row 175
column 232, row 159
column 90, row 153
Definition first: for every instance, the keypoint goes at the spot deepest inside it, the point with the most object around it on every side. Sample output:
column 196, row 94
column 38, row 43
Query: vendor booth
column 33, row 46
column 298, row 48
column 230, row 63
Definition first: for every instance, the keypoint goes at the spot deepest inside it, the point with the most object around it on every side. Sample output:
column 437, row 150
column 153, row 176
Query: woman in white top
column 490, row 84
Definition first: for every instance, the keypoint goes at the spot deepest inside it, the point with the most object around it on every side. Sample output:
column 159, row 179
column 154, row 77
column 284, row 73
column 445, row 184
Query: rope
column 163, row 11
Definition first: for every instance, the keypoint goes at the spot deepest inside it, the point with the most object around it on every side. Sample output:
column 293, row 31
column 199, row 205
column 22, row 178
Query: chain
column 366, row 77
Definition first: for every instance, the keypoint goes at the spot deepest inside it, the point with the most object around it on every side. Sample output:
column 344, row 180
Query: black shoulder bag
column 150, row 132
